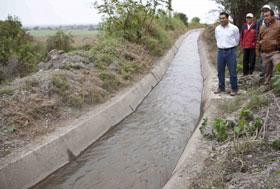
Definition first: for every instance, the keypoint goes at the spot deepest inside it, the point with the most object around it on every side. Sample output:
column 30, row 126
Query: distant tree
column 36, row 28
column 195, row 20
column 60, row 41
column 182, row 17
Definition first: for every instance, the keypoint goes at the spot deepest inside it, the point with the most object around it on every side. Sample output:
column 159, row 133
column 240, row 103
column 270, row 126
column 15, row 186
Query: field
column 74, row 32
column 81, row 36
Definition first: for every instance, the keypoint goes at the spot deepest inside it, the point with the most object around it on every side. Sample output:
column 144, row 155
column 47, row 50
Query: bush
column 110, row 81
column 60, row 41
column 18, row 54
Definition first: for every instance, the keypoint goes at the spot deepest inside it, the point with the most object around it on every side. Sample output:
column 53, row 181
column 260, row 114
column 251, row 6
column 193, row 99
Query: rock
column 61, row 60
column 60, row 52
column 231, row 122
column 53, row 54
column 249, row 156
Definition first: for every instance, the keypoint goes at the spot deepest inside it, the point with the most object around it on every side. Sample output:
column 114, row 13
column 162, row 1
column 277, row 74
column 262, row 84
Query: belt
column 226, row 49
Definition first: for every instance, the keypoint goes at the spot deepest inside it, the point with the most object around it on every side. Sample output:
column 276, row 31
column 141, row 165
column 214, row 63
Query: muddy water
column 142, row 151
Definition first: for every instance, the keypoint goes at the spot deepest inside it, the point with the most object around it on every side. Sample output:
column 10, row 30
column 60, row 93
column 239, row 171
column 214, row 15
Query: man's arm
column 259, row 38
column 236, row 35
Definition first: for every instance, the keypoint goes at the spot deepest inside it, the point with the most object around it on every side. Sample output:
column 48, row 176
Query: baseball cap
column 250, row 15
column 266, row 7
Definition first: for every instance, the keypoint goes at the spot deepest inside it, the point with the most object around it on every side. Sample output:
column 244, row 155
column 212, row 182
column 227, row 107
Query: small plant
column 240, row 128
column 220, row 129
column 276, row 144
column 246, row 114
column 258, row 123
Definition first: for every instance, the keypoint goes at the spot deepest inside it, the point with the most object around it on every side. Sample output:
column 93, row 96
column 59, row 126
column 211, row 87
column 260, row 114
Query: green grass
column 6, row 91
column 77, row 32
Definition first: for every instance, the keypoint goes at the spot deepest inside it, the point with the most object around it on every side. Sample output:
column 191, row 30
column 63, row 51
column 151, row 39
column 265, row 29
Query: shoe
column 218, row 91
column 233, row 93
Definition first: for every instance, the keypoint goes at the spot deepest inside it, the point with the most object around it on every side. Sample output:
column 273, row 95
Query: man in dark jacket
column 248, row 39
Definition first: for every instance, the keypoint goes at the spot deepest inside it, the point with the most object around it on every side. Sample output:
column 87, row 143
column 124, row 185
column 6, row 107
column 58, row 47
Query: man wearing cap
column 248, row 39
column 260, row 23
column 227, row 37
column 268, row 44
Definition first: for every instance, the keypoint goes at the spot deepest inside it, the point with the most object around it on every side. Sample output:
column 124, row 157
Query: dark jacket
column 248, row 36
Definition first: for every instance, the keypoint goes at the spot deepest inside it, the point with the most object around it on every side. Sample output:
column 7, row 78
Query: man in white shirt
column 227, row 37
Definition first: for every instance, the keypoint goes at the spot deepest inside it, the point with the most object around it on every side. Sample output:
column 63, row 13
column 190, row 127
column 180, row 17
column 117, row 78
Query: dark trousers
column 249, row 60
column 227, row 58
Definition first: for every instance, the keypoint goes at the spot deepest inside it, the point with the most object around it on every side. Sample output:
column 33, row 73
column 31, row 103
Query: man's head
column 265, row 8
column 249, row 18
column 224, row 18
column 268, row 16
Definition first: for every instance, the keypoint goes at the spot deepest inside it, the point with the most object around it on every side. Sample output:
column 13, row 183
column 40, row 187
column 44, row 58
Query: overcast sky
column 57, row 12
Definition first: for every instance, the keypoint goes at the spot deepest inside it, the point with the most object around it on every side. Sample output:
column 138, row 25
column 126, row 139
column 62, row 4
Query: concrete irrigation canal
column 142, row 151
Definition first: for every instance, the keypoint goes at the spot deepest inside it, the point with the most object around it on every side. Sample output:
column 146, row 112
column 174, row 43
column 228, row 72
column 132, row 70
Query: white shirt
column 227, row 36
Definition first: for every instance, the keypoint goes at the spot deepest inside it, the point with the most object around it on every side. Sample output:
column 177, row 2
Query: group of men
column 257, row 39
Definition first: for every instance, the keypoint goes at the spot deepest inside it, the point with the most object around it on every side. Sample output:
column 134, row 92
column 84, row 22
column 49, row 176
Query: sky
column 63, row 12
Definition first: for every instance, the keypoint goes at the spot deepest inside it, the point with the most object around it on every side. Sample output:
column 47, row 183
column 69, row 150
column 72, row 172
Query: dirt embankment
column 244, row 134
column 65, row 86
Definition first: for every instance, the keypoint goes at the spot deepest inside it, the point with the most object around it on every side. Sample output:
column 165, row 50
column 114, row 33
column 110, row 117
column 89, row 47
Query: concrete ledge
column 31, row 164
column 197, row 150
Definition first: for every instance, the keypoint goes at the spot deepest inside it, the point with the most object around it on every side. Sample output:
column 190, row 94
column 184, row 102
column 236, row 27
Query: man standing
column 248, row 41
column 268, row 44
column 260, row 23
column 227, row 37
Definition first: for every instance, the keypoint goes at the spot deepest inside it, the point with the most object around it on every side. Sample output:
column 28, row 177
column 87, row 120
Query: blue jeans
column 227, row 57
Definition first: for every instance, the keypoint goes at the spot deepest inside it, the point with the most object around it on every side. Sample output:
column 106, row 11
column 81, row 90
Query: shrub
column 110, row 81
column 18, row 53
column 60, row 41
column 60, row 83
